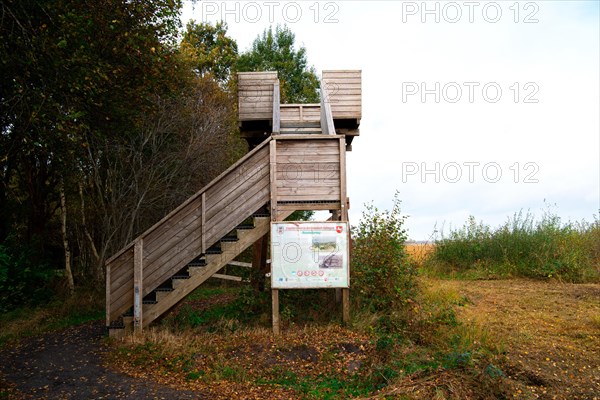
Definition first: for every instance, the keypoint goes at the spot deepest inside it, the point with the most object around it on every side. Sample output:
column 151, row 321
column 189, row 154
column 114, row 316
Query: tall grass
column 522, row 246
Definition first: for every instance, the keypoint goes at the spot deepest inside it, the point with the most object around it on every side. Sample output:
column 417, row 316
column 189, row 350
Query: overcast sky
column 469, row 108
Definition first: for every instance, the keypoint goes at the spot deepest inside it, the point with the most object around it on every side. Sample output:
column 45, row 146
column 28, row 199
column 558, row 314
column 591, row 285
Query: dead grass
column 249, row 363
column 418, row 252
column 524, row 339
column 551, row 333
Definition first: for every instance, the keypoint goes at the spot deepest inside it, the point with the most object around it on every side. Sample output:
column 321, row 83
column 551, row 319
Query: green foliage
column 22, row 281
column 77, row 77
column 522, row 246
column 211, row 50
column 382, row 276
column 275, row 51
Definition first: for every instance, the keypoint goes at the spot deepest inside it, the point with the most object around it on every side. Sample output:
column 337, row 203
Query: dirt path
column 551, row 332
column 69, row 365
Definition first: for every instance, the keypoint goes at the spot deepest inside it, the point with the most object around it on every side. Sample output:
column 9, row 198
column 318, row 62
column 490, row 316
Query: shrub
column 523, row 246
column 383, row 279
column 23, row 282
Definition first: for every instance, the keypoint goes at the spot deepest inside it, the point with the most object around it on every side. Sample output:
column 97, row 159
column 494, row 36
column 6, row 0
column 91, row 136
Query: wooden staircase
column 300, row 166
column 196, row 272
column 189, row 245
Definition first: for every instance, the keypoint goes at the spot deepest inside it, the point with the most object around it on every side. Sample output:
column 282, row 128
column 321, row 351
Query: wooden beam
column 346, row 305
column 138, row 268
column 259, row 262
column 273, row 166
column 275, row 306
column 108, row 294
column 276, row 109
column 343, row 179
column 308, row 136
column 227, row 277
column 203, row 222
column 240, row 264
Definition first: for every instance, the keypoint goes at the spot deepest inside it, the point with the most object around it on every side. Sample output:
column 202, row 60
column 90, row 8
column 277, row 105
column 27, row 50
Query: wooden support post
column 138, row 267
column 344, row 211
column 344, row 217
column 108, row 301
column 276, row 109
column 203, row 226
column 273, row 167
column 275, row 305
column 259, row 262
column 346, row 305
column 338, row 295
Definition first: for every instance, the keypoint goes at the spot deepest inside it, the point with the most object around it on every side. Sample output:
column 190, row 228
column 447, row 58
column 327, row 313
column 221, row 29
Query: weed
column 523, row 246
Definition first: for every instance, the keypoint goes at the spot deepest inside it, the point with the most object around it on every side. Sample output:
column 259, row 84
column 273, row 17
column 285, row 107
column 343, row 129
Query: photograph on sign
column 309, row 255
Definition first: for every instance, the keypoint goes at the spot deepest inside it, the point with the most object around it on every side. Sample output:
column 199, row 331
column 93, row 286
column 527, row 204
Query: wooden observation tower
column 297, row 162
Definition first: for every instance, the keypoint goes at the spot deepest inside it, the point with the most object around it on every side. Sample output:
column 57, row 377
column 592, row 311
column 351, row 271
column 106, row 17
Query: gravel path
column 69, row 365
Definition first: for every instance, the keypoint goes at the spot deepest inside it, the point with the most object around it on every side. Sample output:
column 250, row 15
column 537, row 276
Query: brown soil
column 551, row 332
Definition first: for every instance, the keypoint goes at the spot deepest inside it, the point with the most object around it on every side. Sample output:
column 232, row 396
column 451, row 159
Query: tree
column 274, row 51
column 211, row 50
column 77, row 78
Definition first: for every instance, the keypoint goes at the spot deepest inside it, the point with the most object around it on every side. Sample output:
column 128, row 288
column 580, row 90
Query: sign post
column 309, row 255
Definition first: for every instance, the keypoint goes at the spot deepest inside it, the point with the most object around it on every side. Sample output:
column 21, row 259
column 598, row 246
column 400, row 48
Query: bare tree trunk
column 98, row 268
column 63, row 208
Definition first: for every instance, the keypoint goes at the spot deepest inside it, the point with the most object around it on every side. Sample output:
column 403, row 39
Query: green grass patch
column 25, row 322
column 524, row 246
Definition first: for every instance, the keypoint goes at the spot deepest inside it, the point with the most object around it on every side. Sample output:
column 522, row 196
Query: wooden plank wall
column 255, row 95
column 345, row 93
column 308, row 170
column 179, row 238
column 300, row 112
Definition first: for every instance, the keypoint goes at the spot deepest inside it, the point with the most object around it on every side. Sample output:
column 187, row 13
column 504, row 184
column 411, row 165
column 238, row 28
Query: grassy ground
column 467, row 339
column 551, row 333
column 317, row 359
column 21, row 323
column 515, row 338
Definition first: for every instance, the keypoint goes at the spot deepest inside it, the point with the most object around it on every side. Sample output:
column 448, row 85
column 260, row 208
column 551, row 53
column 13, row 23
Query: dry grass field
column 418, row 252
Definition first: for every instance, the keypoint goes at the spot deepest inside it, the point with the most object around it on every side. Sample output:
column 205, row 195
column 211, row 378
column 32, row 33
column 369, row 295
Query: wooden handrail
column 194, row 197
column 327, row 125
column 276, row 109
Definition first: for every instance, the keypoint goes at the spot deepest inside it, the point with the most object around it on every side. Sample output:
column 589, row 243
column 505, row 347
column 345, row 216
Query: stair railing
column 327, row 125
column 276, row 109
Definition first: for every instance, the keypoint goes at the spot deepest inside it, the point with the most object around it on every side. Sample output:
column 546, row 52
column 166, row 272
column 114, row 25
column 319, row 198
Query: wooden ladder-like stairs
column 184, row 281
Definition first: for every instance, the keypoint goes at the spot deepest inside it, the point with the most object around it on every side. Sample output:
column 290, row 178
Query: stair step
column 245, row 227
column 198, row 263
column 163, row 289
column 180, row 277
column 214, row 250
column 229, row 239
column 301, row 131
column 261, row 215
column 149, row 302
column 196, row 270
column 314, row 124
